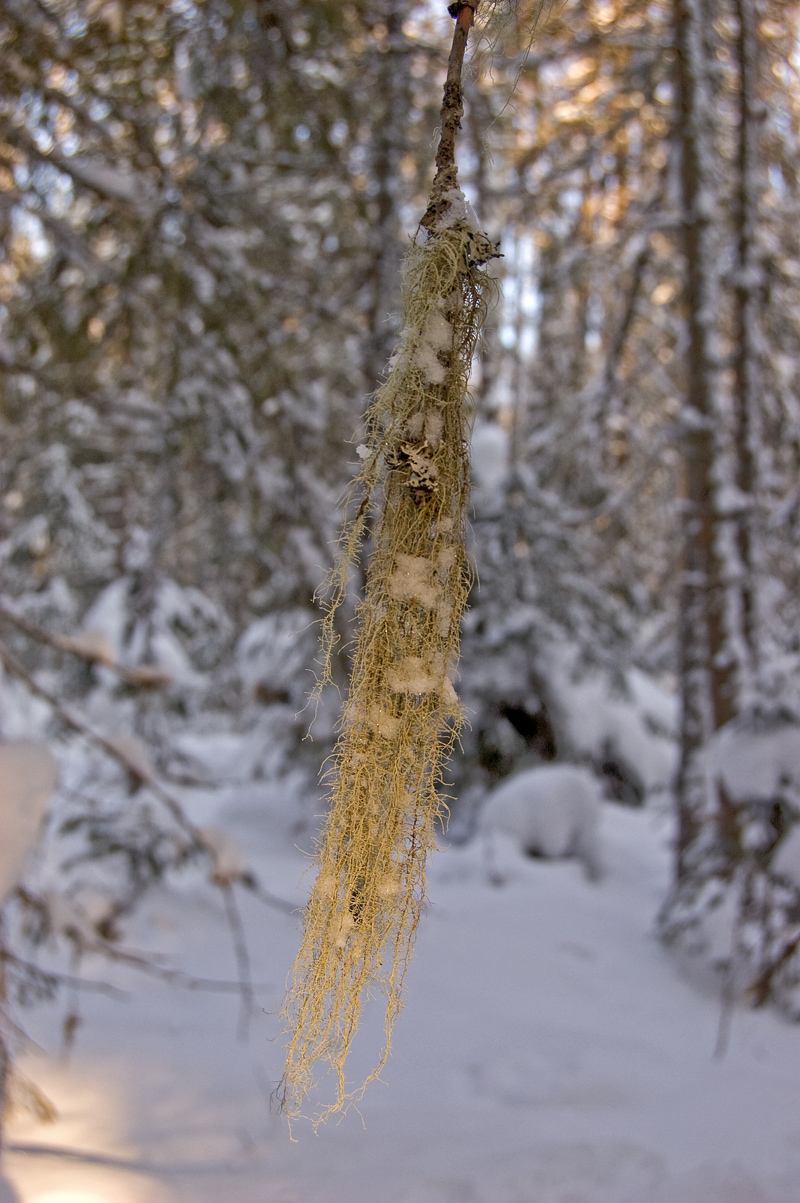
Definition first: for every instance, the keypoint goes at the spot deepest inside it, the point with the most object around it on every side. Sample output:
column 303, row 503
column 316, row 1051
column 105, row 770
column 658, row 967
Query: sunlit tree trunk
column 704, row 679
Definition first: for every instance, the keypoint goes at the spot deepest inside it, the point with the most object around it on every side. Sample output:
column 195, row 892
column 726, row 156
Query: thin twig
column 279, row 904
column 151, row 675
column 52, row 977
column 727, row 1002
column 87, row 1157
column 175, row 977
column 729, row 995
column 234, row 917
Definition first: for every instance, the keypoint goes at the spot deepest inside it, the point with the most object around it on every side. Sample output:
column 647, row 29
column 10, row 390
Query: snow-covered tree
column 735, row 647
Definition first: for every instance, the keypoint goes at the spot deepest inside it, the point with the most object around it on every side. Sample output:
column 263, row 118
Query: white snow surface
column 549, row 1052
column 274, row 651
column 459, row 210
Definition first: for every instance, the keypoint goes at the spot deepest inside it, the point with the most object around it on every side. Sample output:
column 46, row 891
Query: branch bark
column 451, row 113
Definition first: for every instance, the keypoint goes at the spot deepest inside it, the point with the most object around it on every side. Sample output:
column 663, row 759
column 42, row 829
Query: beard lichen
column 402, row 714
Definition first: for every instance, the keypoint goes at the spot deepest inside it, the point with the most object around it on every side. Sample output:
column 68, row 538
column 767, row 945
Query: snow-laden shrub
column 275, row 657
column 734, row 914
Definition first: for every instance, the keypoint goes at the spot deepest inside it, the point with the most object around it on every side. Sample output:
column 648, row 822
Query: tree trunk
column 704, row 676
column 746, row 429
column 390, row 140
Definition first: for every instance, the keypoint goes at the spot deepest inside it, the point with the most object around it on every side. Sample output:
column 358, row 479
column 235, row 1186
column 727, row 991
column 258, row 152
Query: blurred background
column 203, row 209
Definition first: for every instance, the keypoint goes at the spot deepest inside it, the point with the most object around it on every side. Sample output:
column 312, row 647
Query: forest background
column 203, row 208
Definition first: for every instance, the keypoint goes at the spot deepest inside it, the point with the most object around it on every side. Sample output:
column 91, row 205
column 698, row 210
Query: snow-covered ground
column 549, row 1052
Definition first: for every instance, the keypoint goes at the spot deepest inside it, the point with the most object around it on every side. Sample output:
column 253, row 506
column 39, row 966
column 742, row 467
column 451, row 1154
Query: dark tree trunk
column 390, row 141
column 746, row 431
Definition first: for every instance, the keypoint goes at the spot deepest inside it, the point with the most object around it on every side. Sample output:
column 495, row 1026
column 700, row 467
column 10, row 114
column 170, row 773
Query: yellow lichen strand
column 402, row 714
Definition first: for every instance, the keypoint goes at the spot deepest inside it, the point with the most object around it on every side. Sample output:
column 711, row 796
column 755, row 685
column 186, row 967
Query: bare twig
column 54, row 978
column 451, row 113
column 242, row 955
column 269, row 899
column 144, row 676
column 186, row 981
column 136, row 1165
column 134, row 960
column 63, row 1153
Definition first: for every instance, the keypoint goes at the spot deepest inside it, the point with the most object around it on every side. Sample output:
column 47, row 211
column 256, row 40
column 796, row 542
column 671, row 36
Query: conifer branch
column 145, row 676
column 111, row 748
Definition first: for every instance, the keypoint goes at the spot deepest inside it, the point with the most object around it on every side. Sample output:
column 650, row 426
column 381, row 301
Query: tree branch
column 451, row 113
column 144, row 676
column 14, row 666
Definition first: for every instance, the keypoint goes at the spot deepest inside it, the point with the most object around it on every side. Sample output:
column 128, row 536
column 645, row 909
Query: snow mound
column 552, row 811
column 28, row 774
column 754, row 765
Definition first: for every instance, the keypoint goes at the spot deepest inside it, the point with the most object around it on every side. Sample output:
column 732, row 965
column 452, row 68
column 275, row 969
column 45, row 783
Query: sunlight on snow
column 71, row 1196
column 90, row 1117
column 91, row 1184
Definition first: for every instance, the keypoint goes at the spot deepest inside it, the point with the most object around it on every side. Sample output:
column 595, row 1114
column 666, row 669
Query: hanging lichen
column 402, row 713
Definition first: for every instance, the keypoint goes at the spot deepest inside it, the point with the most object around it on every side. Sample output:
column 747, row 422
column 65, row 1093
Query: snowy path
column 549, row 1053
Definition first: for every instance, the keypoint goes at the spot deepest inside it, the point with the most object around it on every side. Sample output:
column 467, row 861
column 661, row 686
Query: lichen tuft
column 402, row 714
